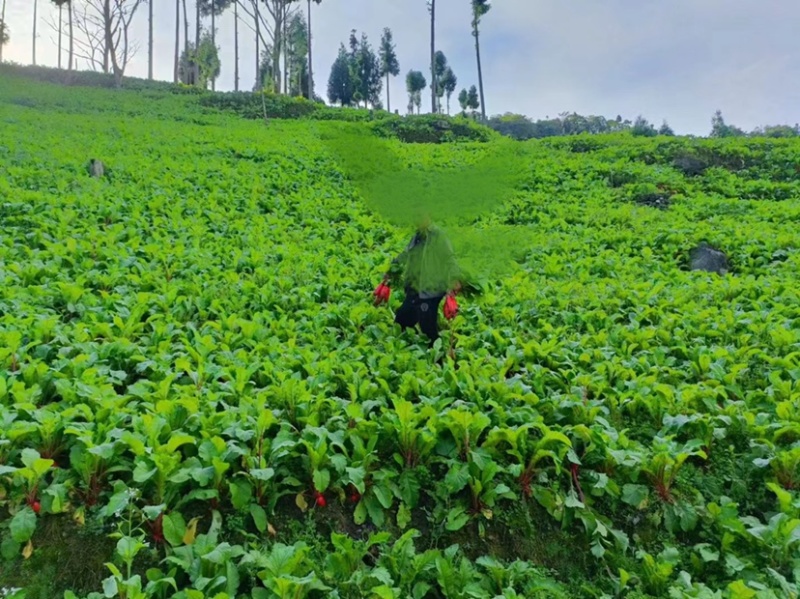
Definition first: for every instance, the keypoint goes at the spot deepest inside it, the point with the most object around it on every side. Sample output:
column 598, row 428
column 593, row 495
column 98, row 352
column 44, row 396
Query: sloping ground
column 189, row 357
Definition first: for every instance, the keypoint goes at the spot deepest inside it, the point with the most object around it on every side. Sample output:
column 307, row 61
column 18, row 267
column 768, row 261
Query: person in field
column 429, row 272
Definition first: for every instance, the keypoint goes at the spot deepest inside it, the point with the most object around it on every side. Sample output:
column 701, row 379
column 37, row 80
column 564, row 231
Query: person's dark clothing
column 420, row 311
column 429, row 270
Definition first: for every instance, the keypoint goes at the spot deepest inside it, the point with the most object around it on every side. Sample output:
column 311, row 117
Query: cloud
column 679, row 60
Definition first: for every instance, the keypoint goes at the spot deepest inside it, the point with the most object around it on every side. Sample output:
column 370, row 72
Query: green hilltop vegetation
column 198, row 398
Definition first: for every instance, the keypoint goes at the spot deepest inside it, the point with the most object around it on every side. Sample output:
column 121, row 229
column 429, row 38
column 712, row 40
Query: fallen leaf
column 271, row 530
column 28, row 550
column 300, row 501
column 79, row 516
column 191, row 531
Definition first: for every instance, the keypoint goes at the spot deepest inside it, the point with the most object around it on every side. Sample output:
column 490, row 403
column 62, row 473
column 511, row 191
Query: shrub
column 432, row 129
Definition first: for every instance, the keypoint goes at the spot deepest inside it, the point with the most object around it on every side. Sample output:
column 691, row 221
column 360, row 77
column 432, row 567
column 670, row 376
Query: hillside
column 196, row 388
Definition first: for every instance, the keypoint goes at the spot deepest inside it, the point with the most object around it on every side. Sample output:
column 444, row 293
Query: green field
column 198, row 398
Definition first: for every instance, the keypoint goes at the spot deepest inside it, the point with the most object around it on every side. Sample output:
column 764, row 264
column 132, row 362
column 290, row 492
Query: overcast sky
column 678, row 60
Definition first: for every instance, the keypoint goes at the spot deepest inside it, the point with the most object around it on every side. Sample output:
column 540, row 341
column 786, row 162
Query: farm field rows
column 199, row 399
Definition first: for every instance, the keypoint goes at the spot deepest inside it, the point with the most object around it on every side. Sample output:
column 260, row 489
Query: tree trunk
column 196, row 42
column 276, row 51
column 3, row 21
column 111, row 51
column 35, row 5
column 433, row 56
column 480, row 72
column 60, row 21
column 236, row 45
column 259, row 83
column 186, row 41
column 71, row 37
column 176, row 72
column 285, row 53
column 213, row 40
column 150, row 41
column 388, row 96
column 107, row 38
column 310, row 62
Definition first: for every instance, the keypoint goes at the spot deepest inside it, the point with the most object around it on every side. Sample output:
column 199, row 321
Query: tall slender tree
column 3, row 30
column 257, row 17
column 236, row 45
column 176, row 73
column 212, row 8
column 60, row 4
column 390, row 66
column 185, row 29
column 448, row 82
column 197, row 28
column 71, row 34
column 150, row 39
column 415, row 83
column 479, row 8
column 432, row 10
column 35, row 19
column 297, row 48
column 440, row 68
column 310, row 61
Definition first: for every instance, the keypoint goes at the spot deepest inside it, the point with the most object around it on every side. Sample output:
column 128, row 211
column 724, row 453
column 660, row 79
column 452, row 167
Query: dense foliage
column 521, row 127
column 196, row 389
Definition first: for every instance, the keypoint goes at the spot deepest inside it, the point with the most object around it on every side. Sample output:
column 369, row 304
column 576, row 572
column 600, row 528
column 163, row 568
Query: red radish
column 320, row 501
column 382, row 294
column 36, row 506
column 450, row 307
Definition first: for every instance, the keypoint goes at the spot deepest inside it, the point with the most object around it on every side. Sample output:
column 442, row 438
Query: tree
column 432, row 10
column 4, row 32
column 340, row 82
column 415, row 83
column 643, row 128
column 280, row 12
column 60, row 4
column 463, row 100
column 448, row 81
column 35, row 9
column 200, row 65
column 479, row 9
column 236, row 44
column 185, row 28
column 296, row 49
column 352, row 60
column 207, row 60
column 266, row 77
column 150, row 39
column 390, row 66
column 310, row 61
column 666, row 130
column 4, row 37
column 473, row 103
column 440, row 67
column 213, row 8
column 367, row 75
column 105, row 27
column 177, row 65
column 720, row 129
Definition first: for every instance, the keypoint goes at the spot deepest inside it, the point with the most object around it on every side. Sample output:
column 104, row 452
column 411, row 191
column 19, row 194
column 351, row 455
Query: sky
column 673, row 60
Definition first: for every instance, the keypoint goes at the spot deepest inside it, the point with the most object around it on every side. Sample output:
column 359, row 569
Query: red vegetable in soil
column 320, row 500
column 36, row 506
